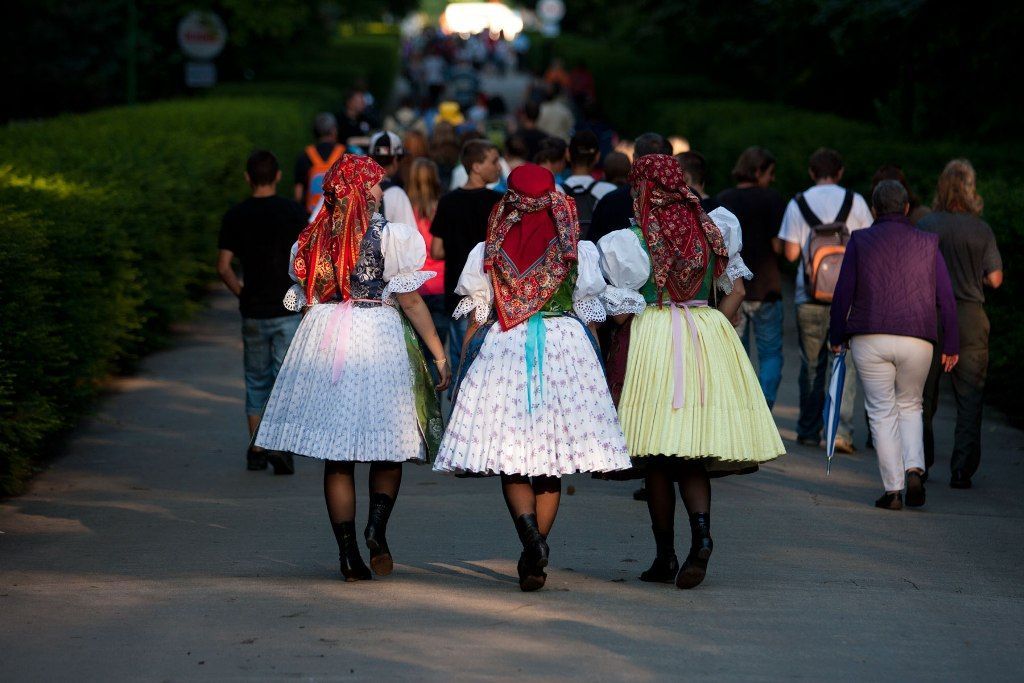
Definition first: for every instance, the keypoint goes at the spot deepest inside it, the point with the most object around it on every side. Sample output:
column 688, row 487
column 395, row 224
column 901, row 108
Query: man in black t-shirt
column 759, row 209
column 260, row 232
column 460, row 223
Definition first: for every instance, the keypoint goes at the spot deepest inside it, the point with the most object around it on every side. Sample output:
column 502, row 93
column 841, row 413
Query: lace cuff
column 405, row 282
column 735, row 269
column 590, row 310
column 481, row 306
column 620, row 301
column 295, row 298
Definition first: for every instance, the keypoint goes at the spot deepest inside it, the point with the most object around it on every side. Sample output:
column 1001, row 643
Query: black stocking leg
column 661, row 503
column 547, row 492
column 385, row 480
column 522, row 505
column 695, row 488
column 340, row 496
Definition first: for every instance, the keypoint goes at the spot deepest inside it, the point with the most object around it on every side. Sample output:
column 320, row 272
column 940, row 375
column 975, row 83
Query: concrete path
column 147, row 552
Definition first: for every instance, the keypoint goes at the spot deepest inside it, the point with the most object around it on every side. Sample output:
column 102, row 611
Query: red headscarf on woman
column 680, row 236
column 329, row 246
column 531, row 240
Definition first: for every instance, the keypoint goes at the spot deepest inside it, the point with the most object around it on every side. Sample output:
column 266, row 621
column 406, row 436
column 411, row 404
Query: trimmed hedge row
column 638, row 95
column 109, row 225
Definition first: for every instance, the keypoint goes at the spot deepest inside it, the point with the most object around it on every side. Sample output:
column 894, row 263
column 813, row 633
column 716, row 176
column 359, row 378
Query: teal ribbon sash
column 535, row 334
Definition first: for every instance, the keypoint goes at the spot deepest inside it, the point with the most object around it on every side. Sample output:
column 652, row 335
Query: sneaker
column 255, row 460
column 282, row 462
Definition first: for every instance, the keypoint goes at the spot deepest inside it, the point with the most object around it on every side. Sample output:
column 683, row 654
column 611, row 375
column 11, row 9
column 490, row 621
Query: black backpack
column 585, row 203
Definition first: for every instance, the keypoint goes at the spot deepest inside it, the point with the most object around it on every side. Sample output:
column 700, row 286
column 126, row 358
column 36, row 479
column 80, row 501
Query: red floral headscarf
column 531, row 241
column 329, row 246
column 680, row 236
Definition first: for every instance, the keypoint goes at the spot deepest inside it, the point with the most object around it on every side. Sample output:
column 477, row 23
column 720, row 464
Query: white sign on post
column 201, row 36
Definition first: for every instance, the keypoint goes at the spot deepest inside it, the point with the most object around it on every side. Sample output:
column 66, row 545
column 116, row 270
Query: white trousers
column 892, row 371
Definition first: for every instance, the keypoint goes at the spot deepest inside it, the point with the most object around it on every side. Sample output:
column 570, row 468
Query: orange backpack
column 315, row 177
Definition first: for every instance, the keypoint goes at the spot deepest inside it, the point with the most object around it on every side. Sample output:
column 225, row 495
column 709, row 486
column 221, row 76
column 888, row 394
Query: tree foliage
column 924, row 67
column 59, row 56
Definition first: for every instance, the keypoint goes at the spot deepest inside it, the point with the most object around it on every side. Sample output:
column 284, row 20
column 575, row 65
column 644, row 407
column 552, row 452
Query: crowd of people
column 589, row 306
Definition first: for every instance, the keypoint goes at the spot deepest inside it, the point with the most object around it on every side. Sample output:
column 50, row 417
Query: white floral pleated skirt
column 572, row 427
column 352, row 402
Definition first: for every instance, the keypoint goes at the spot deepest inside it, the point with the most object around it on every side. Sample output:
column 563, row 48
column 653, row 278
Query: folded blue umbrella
column 833, row 402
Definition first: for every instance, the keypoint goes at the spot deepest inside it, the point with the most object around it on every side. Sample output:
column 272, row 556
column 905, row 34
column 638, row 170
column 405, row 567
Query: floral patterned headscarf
column 531, row 242
column 329, row 246
column 680, row 236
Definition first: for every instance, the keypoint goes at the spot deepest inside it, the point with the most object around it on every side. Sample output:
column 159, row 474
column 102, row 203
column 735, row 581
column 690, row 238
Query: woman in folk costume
column 354, row 386
column 532, row 403
column 690, row 403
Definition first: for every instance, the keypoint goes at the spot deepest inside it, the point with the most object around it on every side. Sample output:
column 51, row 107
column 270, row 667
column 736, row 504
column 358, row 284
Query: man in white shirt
column 387, row 150
column 825, row 199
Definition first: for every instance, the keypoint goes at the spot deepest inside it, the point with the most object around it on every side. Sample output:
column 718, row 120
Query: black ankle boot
column 352, row 566
column 381, row 505
column 666, row 564
column 695, row 567
column 535, row 553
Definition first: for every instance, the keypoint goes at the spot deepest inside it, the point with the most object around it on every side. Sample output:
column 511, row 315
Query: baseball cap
column 386, row 144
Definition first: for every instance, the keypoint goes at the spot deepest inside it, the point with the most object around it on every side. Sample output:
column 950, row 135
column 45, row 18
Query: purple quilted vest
column 895, row 292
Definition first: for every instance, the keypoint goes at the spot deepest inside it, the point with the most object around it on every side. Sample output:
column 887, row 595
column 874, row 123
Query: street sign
column 202, row 35
column 200, row 74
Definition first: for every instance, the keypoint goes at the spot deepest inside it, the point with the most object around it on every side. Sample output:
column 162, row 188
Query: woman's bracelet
column 440, row 362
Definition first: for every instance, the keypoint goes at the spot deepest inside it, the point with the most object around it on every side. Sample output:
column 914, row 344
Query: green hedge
column 638, row 95
column 109, row 225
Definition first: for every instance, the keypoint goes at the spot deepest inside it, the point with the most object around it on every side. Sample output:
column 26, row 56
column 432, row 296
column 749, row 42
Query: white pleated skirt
column 573, row 426
column 368, row 413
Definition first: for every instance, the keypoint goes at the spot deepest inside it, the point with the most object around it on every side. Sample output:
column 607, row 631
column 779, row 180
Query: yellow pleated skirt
column 730, row 427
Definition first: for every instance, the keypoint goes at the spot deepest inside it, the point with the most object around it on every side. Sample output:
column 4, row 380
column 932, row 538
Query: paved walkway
column 148, row 552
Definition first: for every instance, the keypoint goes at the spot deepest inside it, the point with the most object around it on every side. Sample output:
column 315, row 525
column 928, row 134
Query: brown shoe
column 890, row 501
column 845, row 445
column 915, row 490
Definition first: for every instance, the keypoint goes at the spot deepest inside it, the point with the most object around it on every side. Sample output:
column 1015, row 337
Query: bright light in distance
column 467, row 18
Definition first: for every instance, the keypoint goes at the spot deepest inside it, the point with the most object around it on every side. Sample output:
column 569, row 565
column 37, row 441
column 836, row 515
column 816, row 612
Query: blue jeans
column 766, row 319
column 265, row 341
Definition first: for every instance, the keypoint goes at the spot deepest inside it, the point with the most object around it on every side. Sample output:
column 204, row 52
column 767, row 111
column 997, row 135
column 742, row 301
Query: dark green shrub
column 110, row 222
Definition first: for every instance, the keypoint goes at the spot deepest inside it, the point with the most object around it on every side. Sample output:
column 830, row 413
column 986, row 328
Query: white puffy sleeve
column 590, row 284
column 475, row 288
column 295, row 297
column 626, row 267
column 404, row 256
column 729, row 226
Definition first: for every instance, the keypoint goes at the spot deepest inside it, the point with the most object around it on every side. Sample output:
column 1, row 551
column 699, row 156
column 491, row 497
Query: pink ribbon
column 678, row 395
column 338, row 328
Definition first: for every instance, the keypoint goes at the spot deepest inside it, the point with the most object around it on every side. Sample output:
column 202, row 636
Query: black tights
column 694, row 487
column 340, row 486
column 539, row 496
